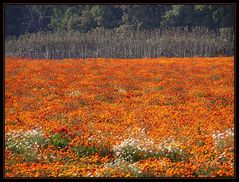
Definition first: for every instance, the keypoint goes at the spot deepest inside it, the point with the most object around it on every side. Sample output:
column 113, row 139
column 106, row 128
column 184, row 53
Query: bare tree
column 124, row 43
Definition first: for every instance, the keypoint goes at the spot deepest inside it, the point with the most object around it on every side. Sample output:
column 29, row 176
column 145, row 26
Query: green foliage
column 179, row 15
column 119, row 31
column 26, row 144
column 200, row 142
column 86, row 151
column 130, row 153
column 105, row 151
column 159, row 88
column 106, row 16
column 133, row 154
column 202, row 171
column 59, row 140
column 33, row 18
column 91, row 150
column 176, row 156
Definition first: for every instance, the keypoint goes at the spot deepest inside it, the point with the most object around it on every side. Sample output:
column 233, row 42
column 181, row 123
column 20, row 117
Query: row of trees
column 124, row 42
column 20, row 19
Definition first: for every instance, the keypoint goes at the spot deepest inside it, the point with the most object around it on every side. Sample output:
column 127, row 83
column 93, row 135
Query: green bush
column 91, row 150
column 26, row 143
column 133, row 149
column 59, row 140
column 159, row 88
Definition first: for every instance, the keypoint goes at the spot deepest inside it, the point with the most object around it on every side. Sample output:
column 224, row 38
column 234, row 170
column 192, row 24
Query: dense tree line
column 124, row 42
column 20, row 19
column 118, row 31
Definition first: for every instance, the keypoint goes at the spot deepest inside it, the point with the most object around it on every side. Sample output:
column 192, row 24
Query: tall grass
column 124, row 43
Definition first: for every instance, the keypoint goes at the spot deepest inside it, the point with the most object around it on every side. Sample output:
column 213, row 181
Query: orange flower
column 176, row 114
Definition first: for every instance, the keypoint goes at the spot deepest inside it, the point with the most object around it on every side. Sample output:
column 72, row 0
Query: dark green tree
column 107, row 16
column 13, row 20
column 179, row 15
column 63, row 18
column 20, row 19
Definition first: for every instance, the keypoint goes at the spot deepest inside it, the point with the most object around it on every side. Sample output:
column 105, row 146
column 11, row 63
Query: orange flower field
column 165, row 117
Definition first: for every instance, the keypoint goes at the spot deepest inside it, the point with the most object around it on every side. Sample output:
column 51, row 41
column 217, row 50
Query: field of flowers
column 167, row 117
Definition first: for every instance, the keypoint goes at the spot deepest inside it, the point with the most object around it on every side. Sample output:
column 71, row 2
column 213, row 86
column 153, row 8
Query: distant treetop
column 21, row 19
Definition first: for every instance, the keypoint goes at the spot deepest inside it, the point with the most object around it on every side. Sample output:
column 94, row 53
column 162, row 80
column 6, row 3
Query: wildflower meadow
column 95, row 117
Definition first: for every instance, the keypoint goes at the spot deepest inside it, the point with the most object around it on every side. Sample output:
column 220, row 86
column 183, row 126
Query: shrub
column 159, row 88
column 173, row 150
column 91, row 150
column 59, row 140
column 26, row 143
column 134, row 149
column 86, row 151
